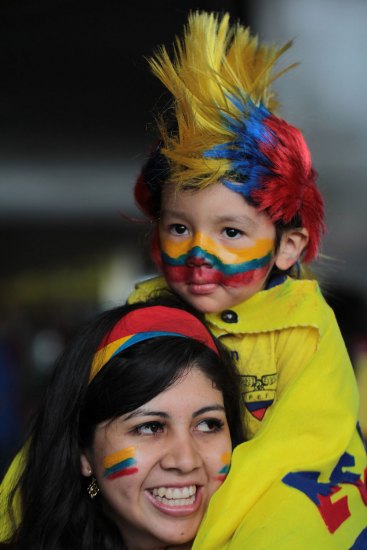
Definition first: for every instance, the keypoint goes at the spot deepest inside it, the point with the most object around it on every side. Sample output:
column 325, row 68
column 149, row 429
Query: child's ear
column 85, row 465
column 292, row 244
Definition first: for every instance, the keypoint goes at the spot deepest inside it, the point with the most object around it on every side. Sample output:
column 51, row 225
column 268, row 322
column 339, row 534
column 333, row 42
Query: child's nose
column 197, row 255
column 194, row 260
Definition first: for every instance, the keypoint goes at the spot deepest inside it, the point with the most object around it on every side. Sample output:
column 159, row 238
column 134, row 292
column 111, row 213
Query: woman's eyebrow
column 146, row 412
column 161, row 414
column 209, row 408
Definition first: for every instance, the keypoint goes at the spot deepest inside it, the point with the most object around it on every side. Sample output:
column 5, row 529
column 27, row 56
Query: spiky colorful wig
column 225, row 128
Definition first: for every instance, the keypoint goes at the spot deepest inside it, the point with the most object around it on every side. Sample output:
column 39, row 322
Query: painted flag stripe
column 122, row 473
column 120, row 466
column 119, row 456
column 227, row 269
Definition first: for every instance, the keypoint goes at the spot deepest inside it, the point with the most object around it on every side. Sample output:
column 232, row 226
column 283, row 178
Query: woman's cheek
column 224, row 465
column 120, row 464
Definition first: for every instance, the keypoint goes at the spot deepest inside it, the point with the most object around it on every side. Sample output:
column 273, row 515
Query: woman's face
column 158, row 466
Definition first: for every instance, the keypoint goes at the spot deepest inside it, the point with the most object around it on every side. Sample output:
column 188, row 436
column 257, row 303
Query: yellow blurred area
column 361, row 374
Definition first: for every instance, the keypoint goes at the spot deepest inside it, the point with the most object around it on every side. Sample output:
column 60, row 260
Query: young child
column 232, row 192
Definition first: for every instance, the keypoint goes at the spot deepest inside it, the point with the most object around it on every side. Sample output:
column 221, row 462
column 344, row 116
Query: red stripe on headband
column 160, row 319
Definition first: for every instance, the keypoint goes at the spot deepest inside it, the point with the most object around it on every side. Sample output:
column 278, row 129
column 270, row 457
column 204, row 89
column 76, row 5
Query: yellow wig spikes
column 212, row 63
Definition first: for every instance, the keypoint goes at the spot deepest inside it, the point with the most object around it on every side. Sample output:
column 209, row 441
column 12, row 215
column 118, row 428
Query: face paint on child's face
column 119, row 464
column 223, row 471
column 229, row 266
column 175, row 442
column 216, row 249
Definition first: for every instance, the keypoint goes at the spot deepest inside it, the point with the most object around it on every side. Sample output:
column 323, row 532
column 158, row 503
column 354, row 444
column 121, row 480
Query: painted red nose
column 197, row 261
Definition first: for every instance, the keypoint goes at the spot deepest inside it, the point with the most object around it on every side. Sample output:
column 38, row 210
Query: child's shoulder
column 146, row 289
column 294, row 303
column 298, row 303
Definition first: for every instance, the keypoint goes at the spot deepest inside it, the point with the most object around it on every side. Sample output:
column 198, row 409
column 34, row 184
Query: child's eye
column 149, row 428
column 210, row 425
column 232, row 233
column 177, row 229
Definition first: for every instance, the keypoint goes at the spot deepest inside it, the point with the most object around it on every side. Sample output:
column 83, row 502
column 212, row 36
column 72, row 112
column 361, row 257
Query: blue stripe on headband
column 141, row 336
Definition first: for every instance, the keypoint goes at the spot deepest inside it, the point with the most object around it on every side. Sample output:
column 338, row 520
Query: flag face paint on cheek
column 215, row 263
column 119, row 464
column 223, row 472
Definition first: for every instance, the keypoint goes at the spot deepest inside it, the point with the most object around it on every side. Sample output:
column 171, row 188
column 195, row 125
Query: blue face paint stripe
column 216, row 263
column 127, row 463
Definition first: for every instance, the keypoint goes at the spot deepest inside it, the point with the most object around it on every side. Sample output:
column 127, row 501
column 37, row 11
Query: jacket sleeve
column 302, row 477
column 147, row 289
column 7, row 485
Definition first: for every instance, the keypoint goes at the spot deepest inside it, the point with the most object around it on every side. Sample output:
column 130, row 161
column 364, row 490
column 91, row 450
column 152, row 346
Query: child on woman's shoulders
column 233, row 192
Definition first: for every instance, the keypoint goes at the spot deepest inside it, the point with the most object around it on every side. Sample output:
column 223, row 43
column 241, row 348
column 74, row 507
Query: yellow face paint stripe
column 227, row 254
column 119, row 456
column 226, row 458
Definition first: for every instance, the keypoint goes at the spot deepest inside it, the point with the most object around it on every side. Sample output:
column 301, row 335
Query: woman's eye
column 178, row 229
column 149, row 428
column 232, row 233
column 210, row 425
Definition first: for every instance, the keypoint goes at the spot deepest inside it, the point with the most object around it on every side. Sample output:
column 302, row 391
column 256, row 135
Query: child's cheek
column 119, row 464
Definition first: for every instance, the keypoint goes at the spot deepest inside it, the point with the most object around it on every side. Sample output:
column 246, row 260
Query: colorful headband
column 220, row 78
column 146, row 323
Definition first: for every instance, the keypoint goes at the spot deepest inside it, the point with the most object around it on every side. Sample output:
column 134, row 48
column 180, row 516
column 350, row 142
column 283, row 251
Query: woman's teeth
column 175, row 496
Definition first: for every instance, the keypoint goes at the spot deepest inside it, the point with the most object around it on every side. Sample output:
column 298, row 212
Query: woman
column 134, row 436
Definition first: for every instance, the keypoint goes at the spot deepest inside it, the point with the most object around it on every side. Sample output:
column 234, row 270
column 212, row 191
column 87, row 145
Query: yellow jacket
column 300, row 482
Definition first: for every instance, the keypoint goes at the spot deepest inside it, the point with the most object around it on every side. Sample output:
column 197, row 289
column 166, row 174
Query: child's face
column 216, row 249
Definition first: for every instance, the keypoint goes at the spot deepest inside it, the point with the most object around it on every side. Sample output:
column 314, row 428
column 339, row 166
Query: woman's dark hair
column 57, row 513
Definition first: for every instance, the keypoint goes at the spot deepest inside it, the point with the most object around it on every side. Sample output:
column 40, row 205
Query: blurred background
column 77, row 107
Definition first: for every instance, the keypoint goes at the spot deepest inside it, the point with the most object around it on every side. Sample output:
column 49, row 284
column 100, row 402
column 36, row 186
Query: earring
column 93, row 488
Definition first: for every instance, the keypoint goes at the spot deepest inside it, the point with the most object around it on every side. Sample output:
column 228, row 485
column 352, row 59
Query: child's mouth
column 202, row 288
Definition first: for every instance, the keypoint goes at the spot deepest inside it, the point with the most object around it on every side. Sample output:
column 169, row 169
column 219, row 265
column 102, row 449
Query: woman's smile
column 176, row 501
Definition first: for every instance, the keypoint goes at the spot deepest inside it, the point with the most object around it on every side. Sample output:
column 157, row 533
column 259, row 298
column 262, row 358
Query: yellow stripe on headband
column 104, row 355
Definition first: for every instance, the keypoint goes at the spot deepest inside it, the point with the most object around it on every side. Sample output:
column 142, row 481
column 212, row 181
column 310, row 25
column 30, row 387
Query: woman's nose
column 181, row 455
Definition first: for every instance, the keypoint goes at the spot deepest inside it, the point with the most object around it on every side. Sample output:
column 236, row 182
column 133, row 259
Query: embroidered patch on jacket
column 258, row 393
column 334, row 511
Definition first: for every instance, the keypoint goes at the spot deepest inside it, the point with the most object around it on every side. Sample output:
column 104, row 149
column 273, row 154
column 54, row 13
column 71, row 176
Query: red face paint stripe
column 221, row 477
column 122, row 473
column 210, row 275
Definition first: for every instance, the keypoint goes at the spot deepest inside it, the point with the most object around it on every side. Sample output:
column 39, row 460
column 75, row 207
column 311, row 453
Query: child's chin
column 215, row 301
column 205, row 304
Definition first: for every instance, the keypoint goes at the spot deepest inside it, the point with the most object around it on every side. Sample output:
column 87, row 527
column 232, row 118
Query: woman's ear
column 292, row 244
column 85, row 465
